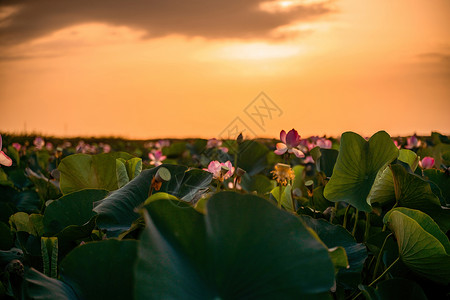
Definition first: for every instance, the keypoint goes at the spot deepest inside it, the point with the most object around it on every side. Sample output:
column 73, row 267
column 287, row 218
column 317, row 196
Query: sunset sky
column 177, row 68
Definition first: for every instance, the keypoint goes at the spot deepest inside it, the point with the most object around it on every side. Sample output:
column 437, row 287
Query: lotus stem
column 344, row 224
column 377, row 264
column 366, row 232
column 379, row 277
column 356, row 222
column 333, row 212
column 279, row 195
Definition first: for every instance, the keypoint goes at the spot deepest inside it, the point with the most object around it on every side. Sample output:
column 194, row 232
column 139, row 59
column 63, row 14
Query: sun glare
column 258, row 51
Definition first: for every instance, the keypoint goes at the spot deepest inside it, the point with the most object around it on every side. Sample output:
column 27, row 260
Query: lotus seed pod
column 240, row 172
column 16, row 267
column 162, row 175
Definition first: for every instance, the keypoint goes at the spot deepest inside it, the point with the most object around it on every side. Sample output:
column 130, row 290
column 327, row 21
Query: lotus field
column 289, row 218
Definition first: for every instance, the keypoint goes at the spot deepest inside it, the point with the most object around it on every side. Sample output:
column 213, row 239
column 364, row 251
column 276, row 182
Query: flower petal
column 292, row 138
column 297, row 152
column 281, row 149
column 283, row 136
column 5, row 160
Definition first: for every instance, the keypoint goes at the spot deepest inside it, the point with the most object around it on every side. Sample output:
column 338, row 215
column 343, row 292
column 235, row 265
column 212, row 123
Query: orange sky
column 171, row 69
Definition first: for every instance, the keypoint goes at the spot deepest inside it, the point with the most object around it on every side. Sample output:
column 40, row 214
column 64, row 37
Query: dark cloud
column 207, row 18
column 436, row 64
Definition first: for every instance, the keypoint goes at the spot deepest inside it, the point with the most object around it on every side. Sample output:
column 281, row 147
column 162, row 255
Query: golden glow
column 365, row 68
column 285, row 5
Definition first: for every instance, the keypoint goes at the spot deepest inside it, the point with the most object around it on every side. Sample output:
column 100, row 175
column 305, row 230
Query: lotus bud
column 240, row 139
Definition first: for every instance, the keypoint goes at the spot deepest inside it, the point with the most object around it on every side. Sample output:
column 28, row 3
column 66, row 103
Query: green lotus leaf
column 409, row 157
column 357, row 166
column 71, row 209
column 325, row 159
column 83, row 171
column 259, row 183
column 414, row 192
column 252, row 157
column 320, row 203
column 127, row 170
column 243, row 248
column 117, row 211
column 38, row 286
column 394, row 289
column 337, row 236
column 423, row 247
column 6, row 237
column 46, row 188
column 442, row 180
column 110, row 269
column 99, row 270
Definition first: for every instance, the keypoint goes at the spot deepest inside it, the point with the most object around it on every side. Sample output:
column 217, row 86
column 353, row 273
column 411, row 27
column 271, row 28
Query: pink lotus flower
column 217, row 169
column 413, row 142
column 4, row 159
column 308, row 160
column 397, row 144
column 214, row 143
column 162, row 143
column 324, row 143
column 290, row 142
column 39, row 143
column 17, row 146
column 49, row 146
column 427, row 162
column 156, row 157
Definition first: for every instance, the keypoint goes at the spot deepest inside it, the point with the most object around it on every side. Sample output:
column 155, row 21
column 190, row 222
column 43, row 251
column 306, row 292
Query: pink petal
column 427, row 162
column 1, row 142
column 292, row 138
column 281, row 149
column 283, row 136
column 297, row 152
column 5, row 160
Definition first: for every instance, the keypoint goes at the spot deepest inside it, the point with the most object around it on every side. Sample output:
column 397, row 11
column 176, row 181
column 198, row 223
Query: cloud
column 436, row 64
column 213, row 19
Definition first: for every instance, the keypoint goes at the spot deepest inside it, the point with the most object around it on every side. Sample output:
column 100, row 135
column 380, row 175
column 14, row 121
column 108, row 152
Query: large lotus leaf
column 28, row 201
column 414, row 192
column 252, row 157
column 21, row 222
column 46, row 188
column 394, row 289
column 83, row 171
column 259, row 183
column 71, row 209
column 38, row 286
column 101, row 270
column 70, row 237
column 244, row 247
column 357, row 166
column 423, row 247
column 117, row 211
column 409, row 157
column 127, row 170
column 337, row 236
column 383, row 191
column 442, row 180
column 325, row 159
column 6, row 237
column 320, row 203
